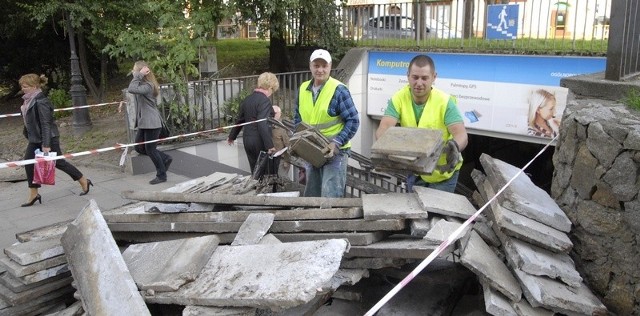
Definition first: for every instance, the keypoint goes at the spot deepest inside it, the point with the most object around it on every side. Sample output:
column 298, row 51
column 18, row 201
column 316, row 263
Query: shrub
column 60, row 99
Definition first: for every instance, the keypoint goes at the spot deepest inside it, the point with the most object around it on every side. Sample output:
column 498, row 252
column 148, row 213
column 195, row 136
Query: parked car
column 398, row 26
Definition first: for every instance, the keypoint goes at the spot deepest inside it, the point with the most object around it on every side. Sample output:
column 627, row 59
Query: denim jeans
column 448, row 185
column 329, row 180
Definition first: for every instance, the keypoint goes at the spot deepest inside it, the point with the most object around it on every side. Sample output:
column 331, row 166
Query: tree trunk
column 84, row 67
column 468, row 19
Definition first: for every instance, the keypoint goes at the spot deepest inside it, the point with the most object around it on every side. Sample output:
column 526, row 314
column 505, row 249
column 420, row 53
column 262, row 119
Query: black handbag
column 164, row 130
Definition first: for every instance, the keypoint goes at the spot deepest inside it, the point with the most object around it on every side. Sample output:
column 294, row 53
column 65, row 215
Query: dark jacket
column 254, row 107
column 40, row 125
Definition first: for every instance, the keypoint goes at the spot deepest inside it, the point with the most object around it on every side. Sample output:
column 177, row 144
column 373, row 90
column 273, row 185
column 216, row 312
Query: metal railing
column 623, row 54
column 540, row 26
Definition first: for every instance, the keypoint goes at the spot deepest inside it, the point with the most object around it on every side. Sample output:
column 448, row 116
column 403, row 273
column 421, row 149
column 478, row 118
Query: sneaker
column 157, row 180
column 167, row 163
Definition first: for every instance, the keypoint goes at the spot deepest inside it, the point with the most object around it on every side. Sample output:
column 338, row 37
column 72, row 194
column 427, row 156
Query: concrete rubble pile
column 213, row 247
column 539, row 276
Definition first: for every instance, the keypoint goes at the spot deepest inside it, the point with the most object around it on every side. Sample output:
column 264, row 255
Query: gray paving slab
column 443, row 229
column 495, row 303
column 410, row 248
column 44, row 274
column 19, row 270
column 523, row 196
column 559, row 297
column 408, row 141
column 34, row 251
column 444, row 203
column 193, row 310
column 101, row 275
column 33, row 293
column 16, row 285
column 392, row 205
column 537, row 261
column 167, row 265
column 253, row 229
column 273, row 276
column 483, row 261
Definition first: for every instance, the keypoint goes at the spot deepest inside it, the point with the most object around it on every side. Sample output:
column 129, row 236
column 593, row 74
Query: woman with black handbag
column 42, row 132
column 145, row 89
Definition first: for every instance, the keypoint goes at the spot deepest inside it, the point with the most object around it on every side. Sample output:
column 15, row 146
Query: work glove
column 332, row 150
column 452, row 151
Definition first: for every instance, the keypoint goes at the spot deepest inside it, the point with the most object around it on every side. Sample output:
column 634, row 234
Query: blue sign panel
column 502, row 21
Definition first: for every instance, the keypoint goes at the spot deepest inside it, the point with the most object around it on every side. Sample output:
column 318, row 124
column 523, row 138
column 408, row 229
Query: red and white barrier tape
column 64, row 109
column 454, row 236
column 118, row 146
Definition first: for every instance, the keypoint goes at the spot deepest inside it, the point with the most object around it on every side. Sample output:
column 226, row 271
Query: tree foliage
column 301, row 22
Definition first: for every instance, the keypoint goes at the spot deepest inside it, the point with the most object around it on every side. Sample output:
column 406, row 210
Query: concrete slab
column 25, row 296
column 19, row 270
column 193, row 310
column 496, row 303
column 483, row 261
column 442, row 230
column 419, row 227
column 39, row 304
column 408, row 141
column 409, row 248
column 559, row 297
column 523, row 308
column 355, row 239
column 537, row 261
column 100, row 273
column 286, row 275
column 522, row 196
column 444, row 203
column 392, row 206
column 34, row 251
column 43, row 274
column 167, row 265
column 16, row 285
column 526, row 229
column 253, row 229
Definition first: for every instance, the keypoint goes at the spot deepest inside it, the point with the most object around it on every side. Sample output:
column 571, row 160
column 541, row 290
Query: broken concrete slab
column 39, row 304
column 419, row 227
column 231, row 199
column 392, row 206
column 523, row 308
column 441, row 231
column 444, row 203
column 101, row 275
column 15, row 285
column 167, row 265
column 193, row 310
column 483, row 261
column 74, row 309
column 287, row 275
column 348, row 225
column 486, row 232
column 408, row 141
column 526, row 229
column 34, row 251
column 25, row 296
column 409, row 248
column 19, row 270
column 134, row 213
column 496, row 303
column 44, row 232
column 523, row 196
column 559, row 297
column 269, row 239
column 355, row 239
column 253, row 229
column 537, row 261
column 43, row 274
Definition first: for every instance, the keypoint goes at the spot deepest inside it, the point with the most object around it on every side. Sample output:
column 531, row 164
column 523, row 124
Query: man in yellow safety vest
column 326, row 104
column 421, row 105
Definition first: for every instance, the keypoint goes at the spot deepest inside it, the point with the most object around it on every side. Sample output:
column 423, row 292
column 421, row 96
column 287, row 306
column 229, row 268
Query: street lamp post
column 81, row 120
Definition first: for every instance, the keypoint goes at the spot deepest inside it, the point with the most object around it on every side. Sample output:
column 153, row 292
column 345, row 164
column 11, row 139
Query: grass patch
column 241, row 57
column 632, row 99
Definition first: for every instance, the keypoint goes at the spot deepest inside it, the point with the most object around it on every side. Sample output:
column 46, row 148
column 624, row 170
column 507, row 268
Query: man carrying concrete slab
column 325, row 104
column 421, row 105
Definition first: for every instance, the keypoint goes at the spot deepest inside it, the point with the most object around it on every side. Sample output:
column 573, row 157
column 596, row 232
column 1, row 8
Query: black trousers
column 150, row 149
column 61, row 164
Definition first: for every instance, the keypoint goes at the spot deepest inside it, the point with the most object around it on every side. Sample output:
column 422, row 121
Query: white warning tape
column 65, row 109
column 454, row 236
column 118, row 146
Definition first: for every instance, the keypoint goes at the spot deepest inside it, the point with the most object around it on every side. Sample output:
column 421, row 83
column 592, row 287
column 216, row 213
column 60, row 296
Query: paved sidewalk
column 61, row 201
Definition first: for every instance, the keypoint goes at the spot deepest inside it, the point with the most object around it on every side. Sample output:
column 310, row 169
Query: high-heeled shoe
column 89, row 185
column 37, row 198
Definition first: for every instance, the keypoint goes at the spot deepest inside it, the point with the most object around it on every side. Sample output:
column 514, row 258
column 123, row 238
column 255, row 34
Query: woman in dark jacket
column 256, row 137
column 41, row 131
column 145, row 88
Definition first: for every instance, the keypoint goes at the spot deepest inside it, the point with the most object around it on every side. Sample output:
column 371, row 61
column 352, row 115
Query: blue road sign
column 502, row 21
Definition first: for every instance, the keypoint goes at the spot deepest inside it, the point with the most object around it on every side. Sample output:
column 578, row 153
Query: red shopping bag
column 44, row 171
